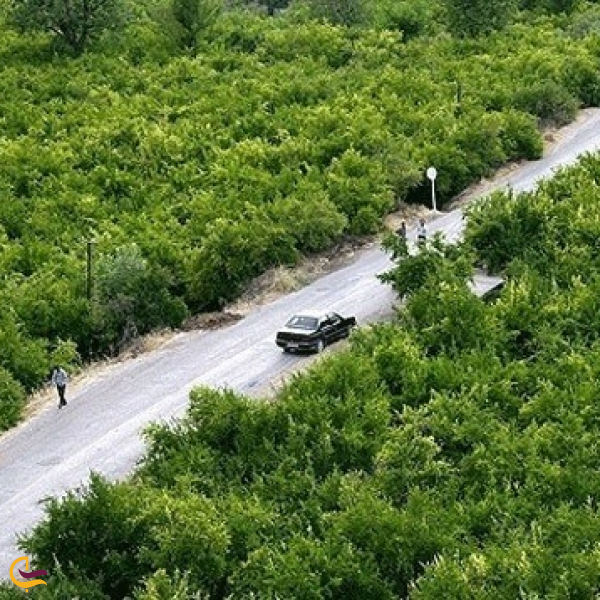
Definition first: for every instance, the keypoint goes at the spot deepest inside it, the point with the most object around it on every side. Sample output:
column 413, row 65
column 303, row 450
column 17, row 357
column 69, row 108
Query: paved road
column 55, row 450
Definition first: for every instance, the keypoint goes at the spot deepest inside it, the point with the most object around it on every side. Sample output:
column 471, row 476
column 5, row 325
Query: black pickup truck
column 313, row 330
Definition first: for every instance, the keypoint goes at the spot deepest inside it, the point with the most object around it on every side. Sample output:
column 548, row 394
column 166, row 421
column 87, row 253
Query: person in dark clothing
column 60, row 380
column 421, row 232
column 401, row 231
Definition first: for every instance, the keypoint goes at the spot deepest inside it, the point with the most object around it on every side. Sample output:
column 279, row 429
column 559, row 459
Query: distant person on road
column 421, row 232
column 401, row 231
column 60, row 380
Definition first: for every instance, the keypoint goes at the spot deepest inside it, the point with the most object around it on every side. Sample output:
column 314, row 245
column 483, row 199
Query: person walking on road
column 60, row 380
column 421, row 232
column 401, row 231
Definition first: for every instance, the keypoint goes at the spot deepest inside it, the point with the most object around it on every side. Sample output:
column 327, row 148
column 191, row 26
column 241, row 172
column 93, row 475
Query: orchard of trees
column 198, row 153
column 189, row 146
column 192, row 145
column 450, row 454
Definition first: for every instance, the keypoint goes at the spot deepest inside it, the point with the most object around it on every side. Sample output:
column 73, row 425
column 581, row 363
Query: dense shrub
column 451, row 453
column 549, row 101
column 193, row 175
column 12, row 399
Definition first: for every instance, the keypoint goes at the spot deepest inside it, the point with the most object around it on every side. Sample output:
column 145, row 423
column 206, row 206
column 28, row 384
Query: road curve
column 99, row 430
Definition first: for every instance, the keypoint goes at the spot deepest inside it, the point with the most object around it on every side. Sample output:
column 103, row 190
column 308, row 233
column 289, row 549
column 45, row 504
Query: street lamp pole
column 431, row 175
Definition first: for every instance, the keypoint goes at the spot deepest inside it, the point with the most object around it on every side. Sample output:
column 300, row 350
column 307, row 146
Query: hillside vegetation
column 451, row 454
column 188, row 170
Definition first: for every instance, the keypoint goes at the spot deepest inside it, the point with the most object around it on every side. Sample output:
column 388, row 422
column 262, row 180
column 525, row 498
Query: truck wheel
column 320, row 346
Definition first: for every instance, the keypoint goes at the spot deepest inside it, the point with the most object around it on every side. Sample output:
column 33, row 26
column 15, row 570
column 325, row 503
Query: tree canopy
column 451, row 453
column 76, row 23
column 265, row 140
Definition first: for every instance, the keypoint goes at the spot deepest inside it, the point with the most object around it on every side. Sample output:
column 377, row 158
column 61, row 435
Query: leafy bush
column 470, row 19
column 412, row 19
column 104, row 529
column 451, row 453
column 132, row 297
column 195, row 174
column 160, row 586
column 12, row 399
column 232, row 254
column 436, row 261
column 310, row 568
column 549, row 101
column 75, row 24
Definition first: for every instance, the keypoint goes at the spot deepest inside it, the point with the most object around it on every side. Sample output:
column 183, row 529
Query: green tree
column 162, row 586
column 12, row 399
column 193, row 17
column 436, row 261
column 270, row 5
column 412, row 17
column 232, row 252
column 470, row 18
column 95, row 533
column 273, row 5
column 132, row 296
column 551, row 6
column 75, row 22
column 339, row 12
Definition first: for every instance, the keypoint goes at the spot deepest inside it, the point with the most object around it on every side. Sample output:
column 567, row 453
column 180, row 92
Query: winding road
column 54, row 451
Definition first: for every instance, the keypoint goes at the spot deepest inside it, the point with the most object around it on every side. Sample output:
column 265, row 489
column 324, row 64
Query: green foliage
column 194, row 17
column 323, row 429
column 186, row 533
column 549, row 101
column 410, row 460
column 411, row 18
column 339, row 12
column 271, row 5
column 22, row 355
column 75, row 24
column 65, row 354
column 273, row 140
column 586, row 22
column 12, row 399
column 58, row 585
column 313, row 219
column 160, row 586
column 84, row 531
column 505, row 226
column 309, row 568
column 8, row 591
column 471, row 18
column 400, row 363
column 232, row 253
column 461, row 327
column 435, row 262
column 131, row 297
column 220, row 430
column 550, row 6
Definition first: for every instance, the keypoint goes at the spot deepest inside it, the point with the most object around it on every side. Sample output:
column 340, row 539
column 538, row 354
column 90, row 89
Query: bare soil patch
column 283, row 280
column 210, row 321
